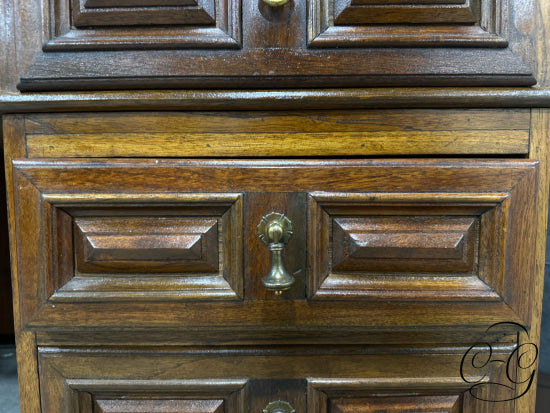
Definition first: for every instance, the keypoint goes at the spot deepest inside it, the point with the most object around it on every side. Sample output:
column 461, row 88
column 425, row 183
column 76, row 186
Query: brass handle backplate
column 279, row 407
column 275, row 3
column 275, row 230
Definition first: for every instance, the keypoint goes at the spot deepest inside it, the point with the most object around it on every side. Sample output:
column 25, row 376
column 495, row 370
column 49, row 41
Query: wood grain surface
column 312, row 133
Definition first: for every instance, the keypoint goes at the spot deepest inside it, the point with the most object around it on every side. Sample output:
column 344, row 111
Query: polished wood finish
column 78, row 25
column 344, row 23
column 144, row 244
column 89, row 13
column 418, row 205
column 539, row 150
column 159, row 406
column 297, row 45
column 171, row 247
column 338, row 274
column 413, row 243
column 432, row 404
column 490, row 191
column 72, row 376
column 108, row 273
column 284, row 99
column 25, row 340
column 257, row 134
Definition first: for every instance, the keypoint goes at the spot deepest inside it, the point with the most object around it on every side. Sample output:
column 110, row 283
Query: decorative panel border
column 65, row 389
column 133, row 13
column 412, row 278
column 47, row 226
column 62, row 56
column 173, row 279
column 344, row 23
column 374, row 395
column 416, row 181
column 491, row 277
column 84, row 28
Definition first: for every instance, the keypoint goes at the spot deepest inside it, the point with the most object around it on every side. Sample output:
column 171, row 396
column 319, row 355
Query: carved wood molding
column 469, row 23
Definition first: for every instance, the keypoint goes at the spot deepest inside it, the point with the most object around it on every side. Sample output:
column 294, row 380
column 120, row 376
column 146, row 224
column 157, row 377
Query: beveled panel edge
column 225, row 33
column 223, row 285
column 336, row 385
column 116, row 39
column 202, row 12
column 197, row 386
column 169, row 244
column 40, row 277
column 344, row 285
column 426, row 36
column 323, row 32
column 65, row 390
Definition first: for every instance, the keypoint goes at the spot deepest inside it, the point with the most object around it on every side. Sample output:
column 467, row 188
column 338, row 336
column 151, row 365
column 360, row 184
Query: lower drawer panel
column 237, row 380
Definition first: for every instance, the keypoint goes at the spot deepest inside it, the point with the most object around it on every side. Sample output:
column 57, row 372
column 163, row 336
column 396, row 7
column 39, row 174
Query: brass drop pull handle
column 275, row 3
column 279, row 407
column 275, row 230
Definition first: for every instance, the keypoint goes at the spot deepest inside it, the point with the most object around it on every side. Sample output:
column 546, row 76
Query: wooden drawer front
column 237, row 380
column 109, row 237
column 168, row 44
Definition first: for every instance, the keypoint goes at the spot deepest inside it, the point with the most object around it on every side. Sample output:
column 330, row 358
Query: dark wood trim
column 283, row 99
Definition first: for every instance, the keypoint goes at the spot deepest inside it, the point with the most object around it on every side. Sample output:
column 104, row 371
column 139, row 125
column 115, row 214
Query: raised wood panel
column 81, row 263
column 477, row 272
column 122, row 25
column 159, row 406
column 136, row 3
column 414, row 243
column 346, row 395
column 87, row 13
column 348, row 23
column 396, row 404
column 146, row 244
column 301, row 133
column 67, row 389
column 349, row 12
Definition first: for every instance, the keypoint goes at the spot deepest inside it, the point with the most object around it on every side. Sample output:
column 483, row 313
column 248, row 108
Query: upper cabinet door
column 100, row 44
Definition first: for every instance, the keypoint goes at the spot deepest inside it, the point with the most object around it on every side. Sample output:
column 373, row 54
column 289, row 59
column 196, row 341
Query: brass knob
column 275, row 3
column 279, row 407
column 275, row 230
